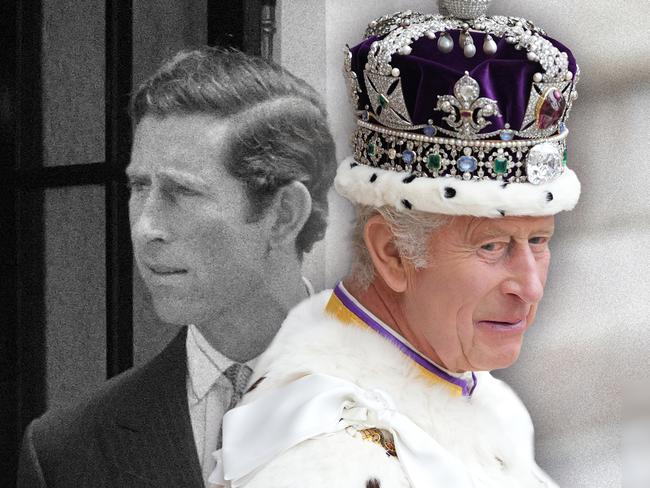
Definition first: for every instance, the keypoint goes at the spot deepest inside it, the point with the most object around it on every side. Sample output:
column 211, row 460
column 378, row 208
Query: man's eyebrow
column 545, row 230
column 497, row 232
column 175, row 177
column 182, row 178
column 492, row 233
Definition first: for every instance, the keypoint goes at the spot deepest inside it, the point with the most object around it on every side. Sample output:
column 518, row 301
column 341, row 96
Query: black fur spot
column 450, row 192
column 407, row 204
column 373, row 483
column 352, row 165
column 549, row 197
column 409, row 178
column 502, row 212
column 504, row 185
column 373, row 178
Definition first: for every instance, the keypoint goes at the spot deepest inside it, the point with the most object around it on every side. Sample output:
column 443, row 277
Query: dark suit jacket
column 135, row 432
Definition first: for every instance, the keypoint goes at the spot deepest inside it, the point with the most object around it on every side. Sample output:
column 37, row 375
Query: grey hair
column 411, row 230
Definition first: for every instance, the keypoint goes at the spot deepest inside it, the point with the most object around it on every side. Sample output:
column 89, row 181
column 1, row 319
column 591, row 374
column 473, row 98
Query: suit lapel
column 150, row 438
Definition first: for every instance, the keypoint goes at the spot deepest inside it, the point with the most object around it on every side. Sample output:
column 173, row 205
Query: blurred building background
column 75, row 313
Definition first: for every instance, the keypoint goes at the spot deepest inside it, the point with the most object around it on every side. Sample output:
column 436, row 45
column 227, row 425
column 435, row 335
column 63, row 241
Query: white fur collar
column 491, row 431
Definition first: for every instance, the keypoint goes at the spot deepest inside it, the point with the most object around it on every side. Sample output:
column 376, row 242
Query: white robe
column 491, row 432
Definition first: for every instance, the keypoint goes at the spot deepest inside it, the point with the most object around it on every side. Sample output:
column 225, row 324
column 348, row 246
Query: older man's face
column 470, row 307
column 192, row 242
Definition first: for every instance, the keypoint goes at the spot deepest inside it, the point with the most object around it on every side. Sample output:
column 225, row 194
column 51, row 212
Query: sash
column 315, row 405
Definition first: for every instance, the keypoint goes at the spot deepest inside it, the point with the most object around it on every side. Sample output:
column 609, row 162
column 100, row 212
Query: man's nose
column 527, row 275
column 149, row 220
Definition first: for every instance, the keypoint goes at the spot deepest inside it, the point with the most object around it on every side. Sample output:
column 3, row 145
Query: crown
column 461, row 101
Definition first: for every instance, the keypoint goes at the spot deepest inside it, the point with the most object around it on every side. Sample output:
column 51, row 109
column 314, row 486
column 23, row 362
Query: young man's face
column 469, row 308
column 192, row 241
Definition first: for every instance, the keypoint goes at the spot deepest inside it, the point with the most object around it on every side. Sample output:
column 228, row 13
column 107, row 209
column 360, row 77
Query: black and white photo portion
column 230, row 167
column 165, row 204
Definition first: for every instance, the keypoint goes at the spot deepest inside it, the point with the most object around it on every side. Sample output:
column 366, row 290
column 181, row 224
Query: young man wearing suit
column 231, row 164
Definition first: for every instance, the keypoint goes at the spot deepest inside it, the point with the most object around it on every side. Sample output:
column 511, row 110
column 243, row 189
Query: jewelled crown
column 460, row 113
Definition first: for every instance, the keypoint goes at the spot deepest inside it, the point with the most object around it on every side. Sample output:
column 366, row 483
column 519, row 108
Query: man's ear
column 385, row 256
column 292, row 205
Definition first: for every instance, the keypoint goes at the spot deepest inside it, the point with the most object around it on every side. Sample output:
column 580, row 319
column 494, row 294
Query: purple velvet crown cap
column 461, row 115
column 505, row 77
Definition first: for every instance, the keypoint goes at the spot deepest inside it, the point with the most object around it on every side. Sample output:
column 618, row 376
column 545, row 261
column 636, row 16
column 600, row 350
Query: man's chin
column 177, row 312
column 504, row 359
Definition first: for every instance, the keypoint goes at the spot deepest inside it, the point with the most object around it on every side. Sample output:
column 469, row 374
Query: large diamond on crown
column 543, row 163
column 387, row 100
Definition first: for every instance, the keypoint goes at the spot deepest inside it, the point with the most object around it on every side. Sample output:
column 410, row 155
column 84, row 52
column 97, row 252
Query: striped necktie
column 238, row 375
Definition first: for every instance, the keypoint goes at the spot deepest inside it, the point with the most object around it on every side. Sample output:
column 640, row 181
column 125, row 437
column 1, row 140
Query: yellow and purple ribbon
column 342, row 306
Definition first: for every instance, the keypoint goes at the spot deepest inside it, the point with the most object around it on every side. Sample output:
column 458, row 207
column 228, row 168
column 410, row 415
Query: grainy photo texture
column 333, row 213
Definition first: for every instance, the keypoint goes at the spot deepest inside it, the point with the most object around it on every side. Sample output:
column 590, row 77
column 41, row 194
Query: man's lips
column 510, row 324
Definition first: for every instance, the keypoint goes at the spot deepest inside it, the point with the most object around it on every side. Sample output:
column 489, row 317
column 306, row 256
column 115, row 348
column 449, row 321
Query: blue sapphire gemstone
column 562, row 127
column 429, row 131
column 408, row 157
column 365, row 116
column 506, row 135
column 467, row 163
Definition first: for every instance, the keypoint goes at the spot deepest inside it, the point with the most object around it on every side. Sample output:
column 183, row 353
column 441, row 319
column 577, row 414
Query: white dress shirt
column 208, row 395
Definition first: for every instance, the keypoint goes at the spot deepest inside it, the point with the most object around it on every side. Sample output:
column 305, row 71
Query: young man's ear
column 292, row 208
column 385, row 256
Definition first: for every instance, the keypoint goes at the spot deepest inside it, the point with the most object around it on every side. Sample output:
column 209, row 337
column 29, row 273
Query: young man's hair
column 278, row 131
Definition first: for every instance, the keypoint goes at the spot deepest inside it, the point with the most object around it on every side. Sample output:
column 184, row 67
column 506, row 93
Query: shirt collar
column 204, row 363
column 348, row 309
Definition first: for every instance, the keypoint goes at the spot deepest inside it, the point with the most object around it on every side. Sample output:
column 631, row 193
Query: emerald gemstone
column 371, row 149
column 433, row 161
column 500, row 165
column 383, row 101
column 565, row 157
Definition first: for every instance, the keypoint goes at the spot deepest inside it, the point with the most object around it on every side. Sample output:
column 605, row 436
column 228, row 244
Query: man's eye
column 493, row 246
column 185, row 191
column 538, row 240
